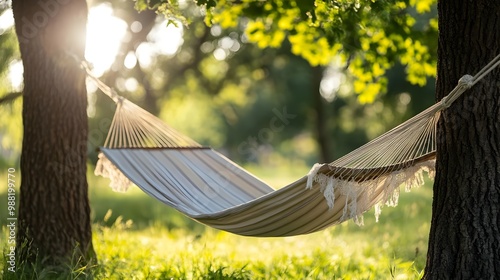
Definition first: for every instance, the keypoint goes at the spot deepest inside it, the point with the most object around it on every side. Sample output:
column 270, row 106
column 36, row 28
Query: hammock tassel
column 105, row 168
column 312, row 174
column 360, row 196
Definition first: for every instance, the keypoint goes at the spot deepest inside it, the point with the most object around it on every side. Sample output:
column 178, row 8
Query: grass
column 136, row 237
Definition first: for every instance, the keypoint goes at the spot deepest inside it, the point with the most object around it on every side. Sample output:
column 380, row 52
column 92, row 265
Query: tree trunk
column 464, row 240
column 322, row 137
column 54, row 213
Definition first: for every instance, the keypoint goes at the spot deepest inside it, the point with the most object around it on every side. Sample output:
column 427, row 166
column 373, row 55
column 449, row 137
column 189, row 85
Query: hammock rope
column 208, row 187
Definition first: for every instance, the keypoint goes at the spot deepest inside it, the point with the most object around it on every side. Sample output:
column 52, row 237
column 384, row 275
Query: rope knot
column 467, row 81
column 464, row 83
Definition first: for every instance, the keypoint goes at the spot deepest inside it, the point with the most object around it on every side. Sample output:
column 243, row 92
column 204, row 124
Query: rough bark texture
column 54, row 214
column 464, row 240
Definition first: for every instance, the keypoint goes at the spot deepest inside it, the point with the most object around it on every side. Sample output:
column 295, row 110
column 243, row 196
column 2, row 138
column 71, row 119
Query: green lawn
column 137, row 237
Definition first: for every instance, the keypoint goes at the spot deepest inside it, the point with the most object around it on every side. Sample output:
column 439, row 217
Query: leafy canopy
column 368, row 36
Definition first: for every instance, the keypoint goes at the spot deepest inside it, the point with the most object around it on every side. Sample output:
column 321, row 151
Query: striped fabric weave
column 208, row 187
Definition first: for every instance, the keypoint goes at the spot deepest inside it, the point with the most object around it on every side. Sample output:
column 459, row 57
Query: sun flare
column 105, row 33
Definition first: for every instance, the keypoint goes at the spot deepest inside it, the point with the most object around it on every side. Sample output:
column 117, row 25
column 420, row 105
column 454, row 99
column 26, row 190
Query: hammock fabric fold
column 211, row 189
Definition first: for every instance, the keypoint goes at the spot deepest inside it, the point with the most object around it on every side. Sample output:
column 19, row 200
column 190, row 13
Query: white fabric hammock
column 206, row 186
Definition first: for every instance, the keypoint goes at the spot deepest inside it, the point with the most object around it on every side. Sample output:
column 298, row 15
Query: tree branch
column 10, row 97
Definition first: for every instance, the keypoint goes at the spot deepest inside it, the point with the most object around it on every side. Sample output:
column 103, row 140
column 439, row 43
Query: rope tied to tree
column 87, row 68
column 467, row 81
column 464, row 83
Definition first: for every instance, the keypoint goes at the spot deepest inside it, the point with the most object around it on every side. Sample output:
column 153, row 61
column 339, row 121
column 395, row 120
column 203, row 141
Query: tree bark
column 54, row 213
column 464, row 240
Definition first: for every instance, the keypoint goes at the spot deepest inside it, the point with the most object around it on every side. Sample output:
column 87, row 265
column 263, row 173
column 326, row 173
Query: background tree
column 54, row 213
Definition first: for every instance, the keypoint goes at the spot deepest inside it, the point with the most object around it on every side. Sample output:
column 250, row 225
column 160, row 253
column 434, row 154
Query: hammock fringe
column 105, row 168
column 361, row 196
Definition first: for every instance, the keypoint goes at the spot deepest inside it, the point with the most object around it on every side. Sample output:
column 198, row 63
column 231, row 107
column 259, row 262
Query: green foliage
column 170, row 8
column 369, row 36
column 11, row 130
column 224, row 92
column 10, row 112
column 195, row 124
column 9, row 49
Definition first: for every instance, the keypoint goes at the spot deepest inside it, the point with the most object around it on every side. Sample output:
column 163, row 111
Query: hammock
column 211, row 189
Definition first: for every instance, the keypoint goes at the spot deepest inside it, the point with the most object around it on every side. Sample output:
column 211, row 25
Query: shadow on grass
column 143, row 210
